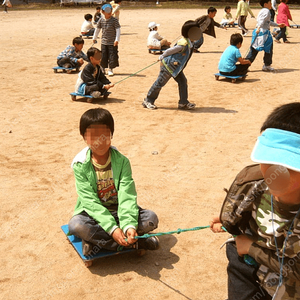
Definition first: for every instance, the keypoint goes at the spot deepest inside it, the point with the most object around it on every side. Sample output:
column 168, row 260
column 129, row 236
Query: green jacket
column 88, row 200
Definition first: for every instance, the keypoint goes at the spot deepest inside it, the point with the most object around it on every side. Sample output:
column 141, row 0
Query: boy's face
column 96, row 59
column 212, row 14
column 283, row 183
column 268, row 5
column 239, row 45
column 106, row 15
column 78, row 47
column 98, row 138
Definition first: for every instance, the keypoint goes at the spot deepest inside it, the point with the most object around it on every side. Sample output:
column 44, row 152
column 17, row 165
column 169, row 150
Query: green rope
column 171, row 232
column 136, row 72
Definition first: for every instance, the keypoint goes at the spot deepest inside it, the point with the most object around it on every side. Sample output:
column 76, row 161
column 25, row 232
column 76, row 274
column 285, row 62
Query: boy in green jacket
column 106, row 214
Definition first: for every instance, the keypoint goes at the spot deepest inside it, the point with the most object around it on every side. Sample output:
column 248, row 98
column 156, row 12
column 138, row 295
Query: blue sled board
column 77, row 244
column 74, row 95
column 233, row 78
column 295, row 26
column 63, row 69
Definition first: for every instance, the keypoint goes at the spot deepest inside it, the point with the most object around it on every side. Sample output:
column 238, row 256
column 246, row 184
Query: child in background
column 232, row 55
column 106, row 214
column 241, row 14
column 116, row 5
column 261, row 36
column 72, row 56
column 227, row 18
column 283, row 16
column 91, row 80
column 262, row 209
column 97, row 14
column 155, row 40
column 6, row 4
column 110, row 39
column 174, row 60
column 87, row 27
column 207, row 25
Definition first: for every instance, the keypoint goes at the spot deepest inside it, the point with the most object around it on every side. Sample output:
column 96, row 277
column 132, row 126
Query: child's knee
column 148, row 221
column 79, row 228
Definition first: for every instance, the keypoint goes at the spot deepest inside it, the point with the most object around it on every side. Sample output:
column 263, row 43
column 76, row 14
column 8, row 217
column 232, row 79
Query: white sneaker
column 267, row 68
column 246, row 33
column 110, row 72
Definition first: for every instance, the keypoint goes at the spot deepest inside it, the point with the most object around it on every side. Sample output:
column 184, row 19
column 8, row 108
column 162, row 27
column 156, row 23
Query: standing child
column 241, row 14
column 87, row 27
column 106, row 215
column 155, row 40
column 6, row 4
column 261, row 36
column 91, row 80
column 116, row 5
column 232, row 55
column 262, row 209
column 72, row 56
column 283, row 16
column 174, row 60
column 110, row 39
column 207, row 25
column 227, row 18
column 97, row 14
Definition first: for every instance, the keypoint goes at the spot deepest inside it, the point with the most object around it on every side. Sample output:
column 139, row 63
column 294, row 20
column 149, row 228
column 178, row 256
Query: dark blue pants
column 242, row 278
column 110, row 57
column 267, row 56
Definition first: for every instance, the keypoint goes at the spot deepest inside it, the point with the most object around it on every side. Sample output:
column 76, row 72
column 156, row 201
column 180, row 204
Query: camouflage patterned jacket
column 247, row 210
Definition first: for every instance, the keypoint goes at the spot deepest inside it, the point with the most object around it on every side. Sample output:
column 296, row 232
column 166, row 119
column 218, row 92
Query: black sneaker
column 150, row 243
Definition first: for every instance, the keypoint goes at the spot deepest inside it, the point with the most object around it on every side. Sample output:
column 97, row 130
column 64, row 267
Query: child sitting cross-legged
column 106, row 214
column 91, row 80
column 232, row 55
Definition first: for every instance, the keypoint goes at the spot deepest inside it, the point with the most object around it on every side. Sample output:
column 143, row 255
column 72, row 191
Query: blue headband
column 279, row 147
column 107, row 8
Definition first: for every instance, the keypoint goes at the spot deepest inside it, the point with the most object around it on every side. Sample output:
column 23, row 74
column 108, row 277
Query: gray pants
column 86, row 228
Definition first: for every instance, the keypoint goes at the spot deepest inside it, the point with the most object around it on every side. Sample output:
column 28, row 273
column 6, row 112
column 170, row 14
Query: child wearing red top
column 283, row 16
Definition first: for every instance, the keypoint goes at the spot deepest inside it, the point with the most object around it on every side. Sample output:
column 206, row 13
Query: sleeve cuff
column 127, row 227
column 110, row 232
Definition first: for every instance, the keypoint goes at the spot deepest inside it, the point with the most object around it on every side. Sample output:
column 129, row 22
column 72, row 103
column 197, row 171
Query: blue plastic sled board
column 231, row 25
column 233, row 78
column 63, row 69
column 295, row 26
column 88, row 260
column 86, row 36
column 87, row 97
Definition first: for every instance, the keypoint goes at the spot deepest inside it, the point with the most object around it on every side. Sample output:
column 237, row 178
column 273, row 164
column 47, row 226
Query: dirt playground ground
column 199, row 153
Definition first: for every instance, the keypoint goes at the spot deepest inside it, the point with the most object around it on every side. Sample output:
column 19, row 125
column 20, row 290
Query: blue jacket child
column 174, row 60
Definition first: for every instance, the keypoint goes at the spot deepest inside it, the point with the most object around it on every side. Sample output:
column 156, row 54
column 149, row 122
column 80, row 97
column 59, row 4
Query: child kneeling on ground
column 262, row 211
column 91, row 80
column 232, row 55
column 106, row 215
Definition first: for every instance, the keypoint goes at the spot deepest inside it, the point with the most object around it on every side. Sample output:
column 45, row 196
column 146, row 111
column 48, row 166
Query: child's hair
column 235, row 39
column 187, row 26
column 284, row 1
column 91, row 52
column 262, row 2
column 285, row 117
column 78, row 40
column 226, row 8
column 118, row 1
column 211, row 10
column 96, row 116
column 98, row 8
column 88, row 17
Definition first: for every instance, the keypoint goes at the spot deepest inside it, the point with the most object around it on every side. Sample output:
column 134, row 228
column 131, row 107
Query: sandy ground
column 199, row 153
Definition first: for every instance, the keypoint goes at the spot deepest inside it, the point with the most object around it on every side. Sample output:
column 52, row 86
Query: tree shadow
column 150, row 265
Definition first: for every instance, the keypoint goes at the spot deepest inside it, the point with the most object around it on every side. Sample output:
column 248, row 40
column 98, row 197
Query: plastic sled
column 231, row 25
column 96, row 252
column 156, row 51
column 295, row 26
column 63, row 69
column 87, row 97
column 86, row 36
column 233, row 78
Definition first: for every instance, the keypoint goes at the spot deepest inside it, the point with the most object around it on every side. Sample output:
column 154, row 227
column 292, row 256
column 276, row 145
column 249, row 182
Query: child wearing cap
column 110, row 39
column 155, row 40
column 262, row 211
column 174, row 60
